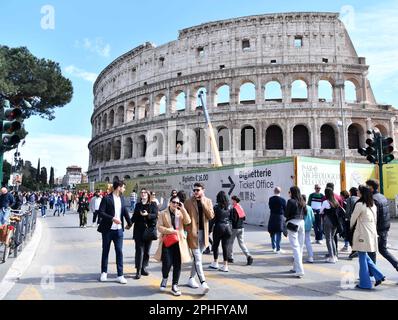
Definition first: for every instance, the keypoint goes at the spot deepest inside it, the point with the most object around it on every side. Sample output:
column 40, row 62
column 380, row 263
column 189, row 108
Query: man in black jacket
column 112, row 210
column 383, row 223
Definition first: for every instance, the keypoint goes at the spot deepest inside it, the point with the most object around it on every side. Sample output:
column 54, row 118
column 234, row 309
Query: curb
column 22, row 262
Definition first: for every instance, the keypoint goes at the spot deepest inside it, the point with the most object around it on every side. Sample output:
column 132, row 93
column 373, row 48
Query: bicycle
column 10, row 242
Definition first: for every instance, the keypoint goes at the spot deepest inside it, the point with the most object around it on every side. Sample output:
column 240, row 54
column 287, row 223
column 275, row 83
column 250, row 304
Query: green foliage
column 39, row 81
column 6, row 172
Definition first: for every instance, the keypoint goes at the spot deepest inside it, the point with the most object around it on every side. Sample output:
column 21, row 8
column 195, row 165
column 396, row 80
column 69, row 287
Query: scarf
column 240, row 211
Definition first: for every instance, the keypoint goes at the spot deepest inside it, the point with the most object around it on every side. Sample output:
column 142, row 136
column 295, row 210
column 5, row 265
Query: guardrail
column 20, row 229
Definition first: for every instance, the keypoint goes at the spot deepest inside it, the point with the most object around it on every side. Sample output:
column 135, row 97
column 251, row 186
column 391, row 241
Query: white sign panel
column 254, row 185
column 312, row 171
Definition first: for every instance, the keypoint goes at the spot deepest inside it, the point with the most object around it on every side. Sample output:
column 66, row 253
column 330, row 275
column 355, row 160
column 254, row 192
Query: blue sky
column 88, row 35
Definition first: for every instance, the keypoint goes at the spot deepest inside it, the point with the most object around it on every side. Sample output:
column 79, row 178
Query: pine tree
column 38, row 171
column 43, row 176
column 51, row 182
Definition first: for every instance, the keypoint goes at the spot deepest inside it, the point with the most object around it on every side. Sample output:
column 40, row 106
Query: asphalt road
column 67, row 267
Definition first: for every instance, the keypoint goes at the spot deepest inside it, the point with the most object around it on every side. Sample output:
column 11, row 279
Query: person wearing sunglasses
column 171, row 221
column 145, row 217
column 200, row 210
column 315, row 202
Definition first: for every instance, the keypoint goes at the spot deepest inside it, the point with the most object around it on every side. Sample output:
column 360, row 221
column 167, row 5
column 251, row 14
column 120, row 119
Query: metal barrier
column 20, row 229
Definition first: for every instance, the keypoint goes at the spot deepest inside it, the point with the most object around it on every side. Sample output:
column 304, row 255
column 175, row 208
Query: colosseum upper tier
column 261, row 78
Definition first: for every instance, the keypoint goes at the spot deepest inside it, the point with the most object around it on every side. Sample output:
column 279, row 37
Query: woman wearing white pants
column 296, row 210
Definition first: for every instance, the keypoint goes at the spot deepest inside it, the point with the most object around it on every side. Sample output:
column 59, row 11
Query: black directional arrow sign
column 230, row 185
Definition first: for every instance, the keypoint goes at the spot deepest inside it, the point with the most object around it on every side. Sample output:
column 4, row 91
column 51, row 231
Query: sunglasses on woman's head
column 196, row 190
column 175, row 202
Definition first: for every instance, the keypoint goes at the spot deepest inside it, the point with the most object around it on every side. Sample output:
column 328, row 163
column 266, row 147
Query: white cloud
column 58, row 151
column 97, row 46
column 373, row 33
column 80, row 73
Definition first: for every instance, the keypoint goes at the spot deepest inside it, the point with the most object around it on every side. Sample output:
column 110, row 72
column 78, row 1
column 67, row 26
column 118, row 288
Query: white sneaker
column 344, row 249
column 122, row 280
column 330, row 260
column 336, row 259
column 310, row 260
column 274, row 250
column 163, row 285
column 93, row 225
column 175, row 290
column 104, row 277
column 192, row 283
column 281, row 251
column 205, row 287
column 224, row 268
column 299, row 275
column 214, row 265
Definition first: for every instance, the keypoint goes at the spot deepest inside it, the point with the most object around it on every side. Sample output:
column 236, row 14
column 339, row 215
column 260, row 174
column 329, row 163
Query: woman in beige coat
column 172, row 221
column 364, row 219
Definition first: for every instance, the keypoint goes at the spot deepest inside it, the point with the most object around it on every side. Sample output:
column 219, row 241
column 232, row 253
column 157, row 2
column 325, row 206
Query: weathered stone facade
column 133, row 136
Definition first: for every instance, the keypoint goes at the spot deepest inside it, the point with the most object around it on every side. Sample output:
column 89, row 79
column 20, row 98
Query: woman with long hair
column 329, row 212
column 364, row 218
column 295, row 212
column 144, row 219
column 222, row 231
column 82, row 210
column 171, row 222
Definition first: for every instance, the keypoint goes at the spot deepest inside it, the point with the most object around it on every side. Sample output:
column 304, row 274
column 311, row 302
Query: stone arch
column 355, row 134
column 127, row 177
column 198, row 101
column 104, row 122
column 107, row 179
column 274, row 138
column 200, row 140
column 128, row 148
column 299, row 90
column 178, row 101
column 352, row 90
column 143, row 108
column 99, row 122
column 141, row 146
column 223, row 95
column 108, row 151
column 111, row 119
column 116, row 149
column 179, row 141
column 382, row 129
column 325, row 91
column 223, row 139
column 248, row 138
column 160, row 105
column 273, row 91
column 301, row 137
column 120, row 115
column 130, row 111
column 116, row 178
column 328, row 137
column 158, row 141
column 247, row 92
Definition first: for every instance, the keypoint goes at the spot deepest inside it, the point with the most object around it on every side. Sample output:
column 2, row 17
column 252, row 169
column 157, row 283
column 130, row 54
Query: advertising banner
column 357, row 174
column 254, row 185
column 312, row 171
column 390, row 174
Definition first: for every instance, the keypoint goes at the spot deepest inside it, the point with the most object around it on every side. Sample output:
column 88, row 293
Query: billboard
column 312, row 171
column 254, row 184
column 390, row 174
column 357, row 174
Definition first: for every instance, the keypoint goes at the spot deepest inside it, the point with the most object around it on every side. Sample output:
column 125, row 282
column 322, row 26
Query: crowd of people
column 188, row 227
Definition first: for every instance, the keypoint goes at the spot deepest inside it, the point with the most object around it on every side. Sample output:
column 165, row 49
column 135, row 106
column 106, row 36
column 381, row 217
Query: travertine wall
column 259, row 49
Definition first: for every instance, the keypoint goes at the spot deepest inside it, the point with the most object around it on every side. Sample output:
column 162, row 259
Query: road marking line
column 30, row 293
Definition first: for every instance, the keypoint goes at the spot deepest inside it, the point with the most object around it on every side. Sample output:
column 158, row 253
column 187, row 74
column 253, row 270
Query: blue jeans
column 366, row 265
column 132, row 205
column 117, row 237
column 43, row 210
column 4, row 215
column 63, row 208
column 276, row 240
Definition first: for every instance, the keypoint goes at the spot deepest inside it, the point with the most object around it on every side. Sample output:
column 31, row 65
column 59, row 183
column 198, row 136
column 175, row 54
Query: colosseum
column 275, row 85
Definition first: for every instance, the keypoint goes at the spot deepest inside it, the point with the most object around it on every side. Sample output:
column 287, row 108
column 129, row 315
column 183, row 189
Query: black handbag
column 292, row 227
column 150, row 233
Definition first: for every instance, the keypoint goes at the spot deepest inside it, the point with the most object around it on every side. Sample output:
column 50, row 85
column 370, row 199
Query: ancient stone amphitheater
column 275, row 85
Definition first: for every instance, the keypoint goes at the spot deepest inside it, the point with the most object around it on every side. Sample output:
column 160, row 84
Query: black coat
column 107, row 213
column 141, row 222
column 276, row 221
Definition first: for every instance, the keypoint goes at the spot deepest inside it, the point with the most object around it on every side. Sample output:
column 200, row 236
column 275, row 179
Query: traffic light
column 388, row 149
column 370, row 152
column 9, row 125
